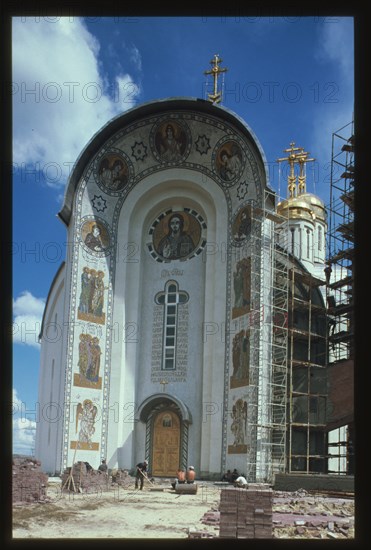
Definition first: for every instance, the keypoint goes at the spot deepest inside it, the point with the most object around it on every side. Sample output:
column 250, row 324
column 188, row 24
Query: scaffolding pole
column 268, row 352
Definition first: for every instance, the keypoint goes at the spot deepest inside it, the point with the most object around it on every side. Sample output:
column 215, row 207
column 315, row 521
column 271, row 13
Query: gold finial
column 216, row 97
column 296, row 155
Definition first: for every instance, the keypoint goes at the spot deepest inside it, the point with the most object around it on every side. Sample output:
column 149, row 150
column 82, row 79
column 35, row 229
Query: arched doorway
column 166, row 443
column 167, row 420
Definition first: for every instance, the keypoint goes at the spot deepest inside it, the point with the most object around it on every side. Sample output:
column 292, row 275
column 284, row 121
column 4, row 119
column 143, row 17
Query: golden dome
column 305, row 206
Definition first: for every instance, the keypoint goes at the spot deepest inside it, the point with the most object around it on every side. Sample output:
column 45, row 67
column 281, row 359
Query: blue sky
column 289, row 78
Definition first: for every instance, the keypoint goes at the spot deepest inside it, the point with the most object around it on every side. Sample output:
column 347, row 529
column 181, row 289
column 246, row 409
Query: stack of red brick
column 29, row 483
column 86, row 480
column 246, row 513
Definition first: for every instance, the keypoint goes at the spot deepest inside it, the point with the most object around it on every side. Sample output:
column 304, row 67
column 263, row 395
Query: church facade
column 165, row 331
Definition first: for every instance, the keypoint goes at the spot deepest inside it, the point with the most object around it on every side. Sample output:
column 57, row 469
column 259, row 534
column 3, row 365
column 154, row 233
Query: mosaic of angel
column 170, row 142
column 85, row 419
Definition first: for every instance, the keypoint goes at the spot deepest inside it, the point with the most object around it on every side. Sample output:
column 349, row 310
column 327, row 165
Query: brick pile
column 122, row 478
column 200, row 534
column 29, row 482
column 85, row 480
column 246, row 513
column 212, row 517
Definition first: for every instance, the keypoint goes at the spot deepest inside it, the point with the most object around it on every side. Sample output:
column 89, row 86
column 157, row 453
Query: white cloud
column 23, row 429
column 336, row 44
column 28, row 312
column 24, row 436
column 16, row 402
column 26, row 303
column 136, row 58
column 60, row 98
column 335, row 50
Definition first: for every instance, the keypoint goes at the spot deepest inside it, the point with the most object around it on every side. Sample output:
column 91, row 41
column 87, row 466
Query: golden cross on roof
column 292, row 155
column 216, row 97
column 296, row 155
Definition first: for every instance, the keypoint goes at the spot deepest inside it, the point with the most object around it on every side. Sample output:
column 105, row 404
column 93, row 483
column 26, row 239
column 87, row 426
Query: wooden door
column 166, row 444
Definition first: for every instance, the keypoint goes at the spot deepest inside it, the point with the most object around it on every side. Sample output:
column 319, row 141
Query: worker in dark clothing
column 103, row 467
column 227, row 476
column 234, row 475
column 139, row 475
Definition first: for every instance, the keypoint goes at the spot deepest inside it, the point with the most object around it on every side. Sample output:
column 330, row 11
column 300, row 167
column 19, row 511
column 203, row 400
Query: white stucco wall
column 137, row 282
column 51, row 380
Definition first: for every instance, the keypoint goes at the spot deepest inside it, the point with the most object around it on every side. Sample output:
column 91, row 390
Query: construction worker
column 103, row 467
column 227, row 476
column 180, row 478
column 241, row 482
column 234, row 475
column 191, row 475
column 140, row 474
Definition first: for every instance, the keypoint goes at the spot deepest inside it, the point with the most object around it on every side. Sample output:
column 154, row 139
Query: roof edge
column 140, row 111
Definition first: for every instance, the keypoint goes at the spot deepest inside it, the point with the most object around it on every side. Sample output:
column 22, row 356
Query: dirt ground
column 118, row 513
column 132, row 514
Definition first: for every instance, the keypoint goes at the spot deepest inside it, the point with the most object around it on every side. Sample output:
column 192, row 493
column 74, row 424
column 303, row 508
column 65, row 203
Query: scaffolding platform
column 346, row 281
column 341, row 309
column 348, row 199
column 342, row 336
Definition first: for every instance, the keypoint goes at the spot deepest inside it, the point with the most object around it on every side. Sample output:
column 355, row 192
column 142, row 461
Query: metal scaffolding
column 307, row 374
column 306, row 357
column 339, row 284
column 268, row 341
column 341, row 245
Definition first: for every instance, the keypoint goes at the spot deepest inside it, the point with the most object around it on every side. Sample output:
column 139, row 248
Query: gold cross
column 216, row 97
column 302, row 159
column 296, row 155
column 291, row 158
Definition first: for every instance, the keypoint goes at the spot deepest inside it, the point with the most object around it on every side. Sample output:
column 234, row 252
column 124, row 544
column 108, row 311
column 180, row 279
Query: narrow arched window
column 170, row 299
column 293, row 240
column 319, row 238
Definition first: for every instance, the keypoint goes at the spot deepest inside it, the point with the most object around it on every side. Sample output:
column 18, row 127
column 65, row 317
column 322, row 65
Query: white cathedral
column 165, row 332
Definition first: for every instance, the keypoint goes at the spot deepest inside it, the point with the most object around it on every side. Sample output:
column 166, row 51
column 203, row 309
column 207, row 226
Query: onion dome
column 305, row 206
